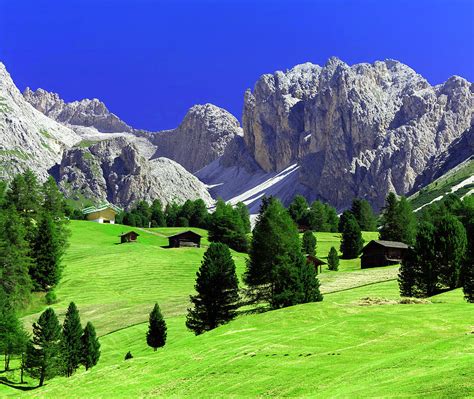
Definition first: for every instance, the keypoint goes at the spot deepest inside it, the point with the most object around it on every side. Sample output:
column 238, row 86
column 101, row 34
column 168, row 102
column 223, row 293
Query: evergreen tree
column 71, row 345
column 407, row 274
column 406, row 222
column 48, row 251
column 298, row 210
column 53, row 202
column 332, row 220
column 14, row 259
column 217, row 297
column 364, row 215
column 310, row 284
column 333, row 259
column 389, row 229
column 226, row 226
column 276, row 265
column 156, row 335
column 243, row 211
column 157, row 214
column 351, row 242
column 343, row 219
column 309, row 243
column 171, row 214
column 468, row 281
column 90, row 347
column 43, row 351
column 317, row 220
column 450, row 244
column 200, row 215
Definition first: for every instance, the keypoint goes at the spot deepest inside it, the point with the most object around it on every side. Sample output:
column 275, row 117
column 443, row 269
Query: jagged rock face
column 113, row 170
column 201, row 137
column 356, row 131
column 88, row 113
column 28, row 139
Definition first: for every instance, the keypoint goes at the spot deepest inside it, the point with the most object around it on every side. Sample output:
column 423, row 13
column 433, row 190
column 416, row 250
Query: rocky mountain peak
column 86, row 112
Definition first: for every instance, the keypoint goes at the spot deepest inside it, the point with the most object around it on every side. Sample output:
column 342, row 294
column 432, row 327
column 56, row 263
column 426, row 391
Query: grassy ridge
column 336, row 348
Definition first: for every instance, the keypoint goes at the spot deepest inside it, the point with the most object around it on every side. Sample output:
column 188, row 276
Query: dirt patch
column 370, row 301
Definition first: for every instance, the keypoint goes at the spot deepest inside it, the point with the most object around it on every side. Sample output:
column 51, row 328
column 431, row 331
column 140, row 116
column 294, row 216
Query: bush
column 51, row 297
column 128, row 355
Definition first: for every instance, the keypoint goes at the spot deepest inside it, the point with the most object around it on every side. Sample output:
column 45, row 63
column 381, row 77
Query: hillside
column 333, row 348
column 459, row 180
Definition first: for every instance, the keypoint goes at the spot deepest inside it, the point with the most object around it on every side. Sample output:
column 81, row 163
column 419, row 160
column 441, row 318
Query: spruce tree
column 15, row 261
column 310, row 284
column 407, row 274
column 42, row 356
column 48, row 251
column 332, row 220
column 53, row 201
column 389, row 229
column 468, row 281
column 217, row 297
column 71, row 345
column 309, row 243
column 298, row 210
column 351, row 242
column 364, row 214
column 406, row 222
column 90, row 347
column 156, row 335
column 342, row 220
column 317, row 220
column 275, row 265
column 200, row 215
column 243, row 211
column 333, row 259
column 157, row 214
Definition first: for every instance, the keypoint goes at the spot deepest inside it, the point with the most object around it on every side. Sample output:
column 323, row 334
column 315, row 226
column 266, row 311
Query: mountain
column 114, row 170
column 87, row 113
column 337, row 132
column 28, row 139
column 201, row 137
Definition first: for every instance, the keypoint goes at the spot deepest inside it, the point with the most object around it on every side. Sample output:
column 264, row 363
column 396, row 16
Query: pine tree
column 468, row 280
column 157, row 214
column 309, row 243
column 71, row 345
column 310, row 284
column 298, row 210
column 407, row 274
column 275, row 266
column 364, row 215
column 342, row 220
column 389, row 229
column 53, row 202
column 200, row 215
column 156, row 335
column 48, row 251
column 42, row 356
column 317, row 220
column 243, row 211
column 90, row 347
column 333, row 259
column 351, row 242
column 217, row 297
column 14, row 259
column 406, row 222
column 332, row 220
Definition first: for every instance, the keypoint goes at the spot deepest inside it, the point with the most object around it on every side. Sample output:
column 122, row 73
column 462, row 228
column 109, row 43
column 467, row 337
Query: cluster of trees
column 277, row 272
column 316, row 217
column 442, row 256
column 52, row 350
column 33, row 236
column 398, row 221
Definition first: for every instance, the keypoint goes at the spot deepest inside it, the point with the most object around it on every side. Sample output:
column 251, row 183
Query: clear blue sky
column 149, row 61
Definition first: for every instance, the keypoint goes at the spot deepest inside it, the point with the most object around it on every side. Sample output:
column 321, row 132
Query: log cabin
column 185, row 239
column 382, row 253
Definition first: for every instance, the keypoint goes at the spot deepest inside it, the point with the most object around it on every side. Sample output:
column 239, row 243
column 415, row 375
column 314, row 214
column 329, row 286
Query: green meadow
column 345, row 346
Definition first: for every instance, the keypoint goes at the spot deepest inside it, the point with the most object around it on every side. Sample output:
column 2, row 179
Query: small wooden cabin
column 382, row 253
column 102, row 214
column 185, row 239
column 316, row 262
column 130, row 236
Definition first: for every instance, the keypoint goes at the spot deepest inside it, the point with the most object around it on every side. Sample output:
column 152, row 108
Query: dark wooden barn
column 316, row 262
column 185, row 239
column 382, row 253
column 130, row 236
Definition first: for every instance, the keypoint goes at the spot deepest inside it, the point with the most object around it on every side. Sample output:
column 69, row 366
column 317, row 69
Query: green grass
column 14, row 153
column 336, row 348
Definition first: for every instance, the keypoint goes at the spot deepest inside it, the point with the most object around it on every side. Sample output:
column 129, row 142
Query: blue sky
column 150, row 61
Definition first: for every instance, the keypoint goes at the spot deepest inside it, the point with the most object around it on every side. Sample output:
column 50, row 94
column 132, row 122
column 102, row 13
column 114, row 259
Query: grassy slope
column 442, row 185
column 333, row 348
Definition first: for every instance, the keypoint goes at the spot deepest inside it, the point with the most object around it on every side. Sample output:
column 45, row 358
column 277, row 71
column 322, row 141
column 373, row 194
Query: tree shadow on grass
column 15, row 385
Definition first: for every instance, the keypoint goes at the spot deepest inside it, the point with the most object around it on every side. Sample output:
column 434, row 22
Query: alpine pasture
column 345, row 346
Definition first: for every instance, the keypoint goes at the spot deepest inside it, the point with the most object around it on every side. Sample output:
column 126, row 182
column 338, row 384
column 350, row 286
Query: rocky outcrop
column 28, row 139
column 201, row 137
column 113, row 170
column 360, row 130
column 87, row 113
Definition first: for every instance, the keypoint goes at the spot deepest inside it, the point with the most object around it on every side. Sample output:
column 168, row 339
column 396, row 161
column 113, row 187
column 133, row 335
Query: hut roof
column 388, row 244
column 315, row 260
column 92, row 209
column 185, row 232
column 129, row 232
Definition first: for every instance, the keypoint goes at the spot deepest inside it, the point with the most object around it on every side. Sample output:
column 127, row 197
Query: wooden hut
column 130, row 236
column 104, row 213
column 382, row 253
column 316, row 262
column 185, row 239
